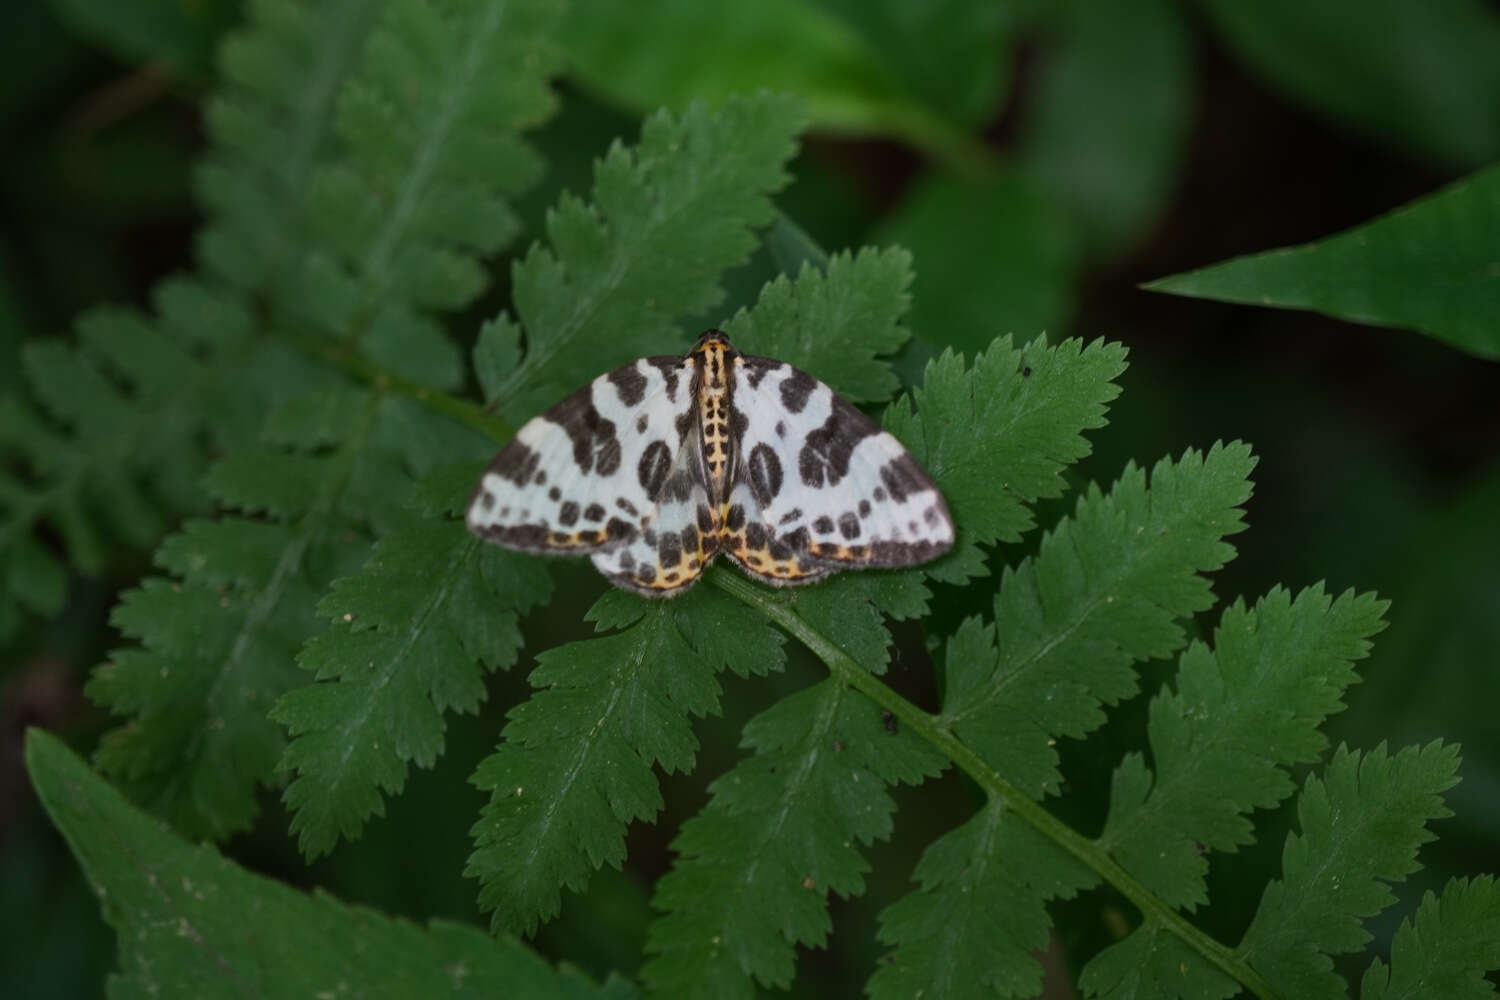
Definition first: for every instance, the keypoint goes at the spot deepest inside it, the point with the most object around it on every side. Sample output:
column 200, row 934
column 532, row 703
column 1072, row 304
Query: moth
column 655, row 468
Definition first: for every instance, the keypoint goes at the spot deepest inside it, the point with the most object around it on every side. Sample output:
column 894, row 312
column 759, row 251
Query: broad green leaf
column 179, row 35
column 672, row 52
column 1112, row 106
column 993, row 257
column 191, row 923
column 948, row 54
column 1445, row 950
column 1429, row 266
column 1422, row 76
column 756, row 866
column 1242, row 713
column 1106, row 589
column 1362, row 823
column 575, row 765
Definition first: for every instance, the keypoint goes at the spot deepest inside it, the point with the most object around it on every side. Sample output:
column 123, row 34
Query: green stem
column 843, row 667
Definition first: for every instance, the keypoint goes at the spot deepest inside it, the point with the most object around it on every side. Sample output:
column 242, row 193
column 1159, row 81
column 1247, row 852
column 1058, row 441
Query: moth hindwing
column 656, row 467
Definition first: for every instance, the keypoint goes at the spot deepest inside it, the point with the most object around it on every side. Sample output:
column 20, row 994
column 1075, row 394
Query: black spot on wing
column 756, row 369
column 629, row 383
column 596, row 448
column 823, row 525
column 656, row 462
column 736, row 518
column 849, row 525
column 671, row 373
column 515, row 462
column 593, row 512
column 902, row 478
column 765, row 473
column 567, row 515
column 669, row 549
column 795, row 389
column 795, row 514
column 824, row 458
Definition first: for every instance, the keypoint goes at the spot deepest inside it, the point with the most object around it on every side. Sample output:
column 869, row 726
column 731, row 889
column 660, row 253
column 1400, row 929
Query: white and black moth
column 655, row 468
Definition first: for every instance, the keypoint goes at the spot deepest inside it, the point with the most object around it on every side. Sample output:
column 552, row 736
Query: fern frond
column 1242, row 714
column 270, row 126
column 430, row 153
column 130, row 415
column 191, row 923
column 667, row 217
column 755, row 867
column 835, row 321
column 979, row 918
column 1105, row 589
column 575, row 766
column 1016, row 416
column 1445, row 951
column 1362, row 822
column 217, row 644
column 411, row 637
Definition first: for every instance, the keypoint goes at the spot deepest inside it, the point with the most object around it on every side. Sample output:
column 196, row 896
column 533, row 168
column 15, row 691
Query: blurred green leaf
column 179, row 33
column 36, row 54
column 671, row 52
column 191, row 923
column 949, row 54
column 993, row 258
column 1422, row 76
column 1105, row 134
column 1432, row 266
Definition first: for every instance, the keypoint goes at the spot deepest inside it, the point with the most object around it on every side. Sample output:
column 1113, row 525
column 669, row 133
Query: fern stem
column 351, row 362
column 843, row 667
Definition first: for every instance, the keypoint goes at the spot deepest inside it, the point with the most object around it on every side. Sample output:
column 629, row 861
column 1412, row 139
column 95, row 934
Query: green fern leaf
column 132, row 409
column 191, row 923
column 1362, row 823
column 1242, row 713
column 1105, row 590
column 834, row 321
column 979, row 918
column 1444, row 953
column 756, row 866
column 666, row 218
column 1017, row 416
column 411, row 634
column 217, row 644
column 270, row 127
column 575, row 766
column 430, row 153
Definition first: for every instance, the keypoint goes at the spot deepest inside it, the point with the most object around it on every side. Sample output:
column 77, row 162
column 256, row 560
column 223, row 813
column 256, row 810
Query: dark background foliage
column 1089, row 158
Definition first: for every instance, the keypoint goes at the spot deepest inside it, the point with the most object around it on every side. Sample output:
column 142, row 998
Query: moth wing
column 581, row 477
column 819, row 486
column 678, row 536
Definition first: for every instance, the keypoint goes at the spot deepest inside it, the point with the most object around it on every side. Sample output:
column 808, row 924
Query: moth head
column 708, row 337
